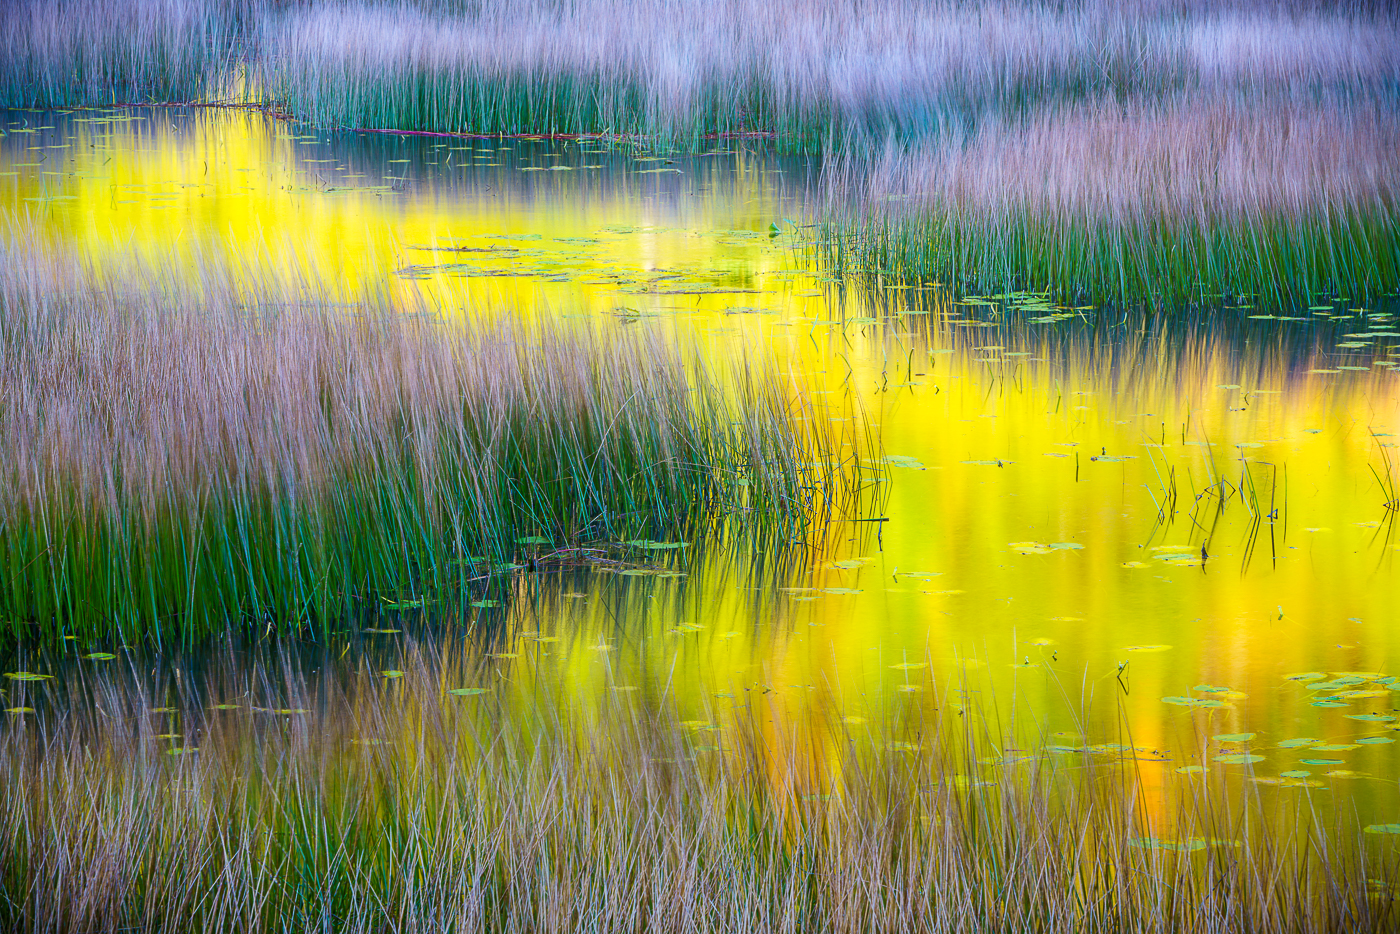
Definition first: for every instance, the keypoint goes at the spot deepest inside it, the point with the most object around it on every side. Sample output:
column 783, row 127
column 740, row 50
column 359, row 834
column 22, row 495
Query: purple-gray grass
column 1189, row 199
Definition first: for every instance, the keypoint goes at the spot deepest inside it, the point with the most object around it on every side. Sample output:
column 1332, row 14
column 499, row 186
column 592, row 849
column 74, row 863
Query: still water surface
column 1086, row 510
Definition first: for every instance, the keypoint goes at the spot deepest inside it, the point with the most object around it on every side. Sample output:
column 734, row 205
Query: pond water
column 1122, row 528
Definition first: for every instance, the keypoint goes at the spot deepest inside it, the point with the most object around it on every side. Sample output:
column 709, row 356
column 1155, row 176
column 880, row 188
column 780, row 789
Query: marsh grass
column 63, row 53
column 184, row 454
column 356, row 802
column 805, row 73
column 1179, row 203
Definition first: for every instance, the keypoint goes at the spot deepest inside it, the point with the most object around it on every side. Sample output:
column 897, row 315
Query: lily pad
column 1066, row 546
column 1323, row 761
column 26, row 676
column 1305, row 676
column 1299, row 742
column 100, row 656
column 1374, row 740
column 1193, row 845
column 1146, row 648
column 1383, row 828
column 1240, row 758
column 468, row 692
column 1234, row 737
column 392, row 673
column 1193, row 702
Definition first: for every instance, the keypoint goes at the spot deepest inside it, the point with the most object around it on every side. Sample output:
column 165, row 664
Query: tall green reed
column 185, row 456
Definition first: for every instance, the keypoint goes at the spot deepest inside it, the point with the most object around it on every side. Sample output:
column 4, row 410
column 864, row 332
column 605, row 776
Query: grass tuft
column 179, row 455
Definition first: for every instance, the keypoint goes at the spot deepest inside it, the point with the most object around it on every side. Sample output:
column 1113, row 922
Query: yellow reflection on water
column 1082, row 515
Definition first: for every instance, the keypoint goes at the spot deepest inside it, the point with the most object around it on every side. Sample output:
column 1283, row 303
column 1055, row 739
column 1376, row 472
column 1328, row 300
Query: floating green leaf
column 26, row 676
column 1192, row 845
column 100, row 656
column 1322, row 761
column 468, row 692
column 1383, row 828
column 1299, row 742
column 1375, row 740
column 1239, row 758
column 392, row 673
column 1234, row 737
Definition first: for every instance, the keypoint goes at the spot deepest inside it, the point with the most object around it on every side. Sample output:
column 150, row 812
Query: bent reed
column 260, row 797
column 182, row 453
